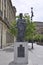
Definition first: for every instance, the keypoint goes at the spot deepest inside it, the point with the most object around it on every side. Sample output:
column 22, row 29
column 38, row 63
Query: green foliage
column 13, row 29
column 17, row 16
column 41, row 38
column 38, row 37
column 30, row 29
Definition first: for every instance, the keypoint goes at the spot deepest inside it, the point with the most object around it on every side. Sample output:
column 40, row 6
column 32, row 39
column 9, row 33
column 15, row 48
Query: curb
column 6, row 47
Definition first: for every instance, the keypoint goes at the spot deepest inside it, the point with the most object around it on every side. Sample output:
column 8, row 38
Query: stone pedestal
column 21, row 52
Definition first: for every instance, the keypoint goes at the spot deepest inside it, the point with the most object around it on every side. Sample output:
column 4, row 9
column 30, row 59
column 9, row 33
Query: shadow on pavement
column 11, row 49
column 30, row 49
column 12, row 63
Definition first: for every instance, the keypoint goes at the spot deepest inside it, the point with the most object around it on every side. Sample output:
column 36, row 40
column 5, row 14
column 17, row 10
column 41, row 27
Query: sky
column 24, row 6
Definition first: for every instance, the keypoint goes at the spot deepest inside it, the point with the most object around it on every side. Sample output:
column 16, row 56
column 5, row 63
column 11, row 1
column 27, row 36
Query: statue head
column 21, row 15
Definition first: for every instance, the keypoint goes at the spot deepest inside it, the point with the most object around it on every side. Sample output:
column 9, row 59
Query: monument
column 21, row 47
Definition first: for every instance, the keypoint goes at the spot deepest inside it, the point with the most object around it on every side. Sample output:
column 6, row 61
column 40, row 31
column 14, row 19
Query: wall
column 7, row 17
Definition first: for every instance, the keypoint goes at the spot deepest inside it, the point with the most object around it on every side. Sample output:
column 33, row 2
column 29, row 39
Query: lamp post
column 32, row 14
column 31, row 21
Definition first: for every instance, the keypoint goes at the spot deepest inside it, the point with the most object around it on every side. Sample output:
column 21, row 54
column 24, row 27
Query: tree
column 41, row 38
column 30, row 30
column 13, row 29
column 38, row 38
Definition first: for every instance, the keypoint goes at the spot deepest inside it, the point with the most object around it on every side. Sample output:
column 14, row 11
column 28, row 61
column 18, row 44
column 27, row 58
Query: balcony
column 1, row 14
column 6, row 22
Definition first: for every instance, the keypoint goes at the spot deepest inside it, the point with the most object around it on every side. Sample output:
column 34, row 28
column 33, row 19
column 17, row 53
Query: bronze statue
column 21, row 26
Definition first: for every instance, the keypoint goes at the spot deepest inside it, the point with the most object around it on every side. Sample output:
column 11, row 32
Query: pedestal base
column 21, row 52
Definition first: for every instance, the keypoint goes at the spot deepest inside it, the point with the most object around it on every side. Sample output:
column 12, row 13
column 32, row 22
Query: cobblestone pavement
column 35, row 56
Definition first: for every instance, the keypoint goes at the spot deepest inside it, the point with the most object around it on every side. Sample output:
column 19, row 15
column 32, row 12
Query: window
column 5, row 8
column 0, row 4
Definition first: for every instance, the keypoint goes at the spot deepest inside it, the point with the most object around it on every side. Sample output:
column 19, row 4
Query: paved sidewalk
column 35, row 56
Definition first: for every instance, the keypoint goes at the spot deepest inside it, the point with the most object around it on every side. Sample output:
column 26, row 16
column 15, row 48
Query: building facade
column 39, row 27
column 7, row 15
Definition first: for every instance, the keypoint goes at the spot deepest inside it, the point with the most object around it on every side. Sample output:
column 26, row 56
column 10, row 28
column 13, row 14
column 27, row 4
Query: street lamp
column 31, row 21
column 32, row 14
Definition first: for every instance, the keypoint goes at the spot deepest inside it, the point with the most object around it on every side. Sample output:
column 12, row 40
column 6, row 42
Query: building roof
column 13, row 7
column 39, row 23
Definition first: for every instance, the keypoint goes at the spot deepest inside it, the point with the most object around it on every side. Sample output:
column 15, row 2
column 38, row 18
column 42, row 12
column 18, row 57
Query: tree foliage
column 30, row 29
column 13, row 29
column 38, row 37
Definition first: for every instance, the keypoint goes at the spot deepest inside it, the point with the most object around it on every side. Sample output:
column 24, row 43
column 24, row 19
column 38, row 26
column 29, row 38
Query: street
column 35, row 56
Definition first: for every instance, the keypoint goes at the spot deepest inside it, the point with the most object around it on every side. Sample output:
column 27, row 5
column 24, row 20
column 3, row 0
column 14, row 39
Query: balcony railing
column 1, row 14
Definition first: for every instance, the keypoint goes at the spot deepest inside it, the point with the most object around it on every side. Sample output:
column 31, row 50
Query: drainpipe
column 1, row 27
column 1, row 35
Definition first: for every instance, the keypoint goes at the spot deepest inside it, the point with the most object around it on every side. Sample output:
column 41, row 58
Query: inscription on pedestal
column 21, row 51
